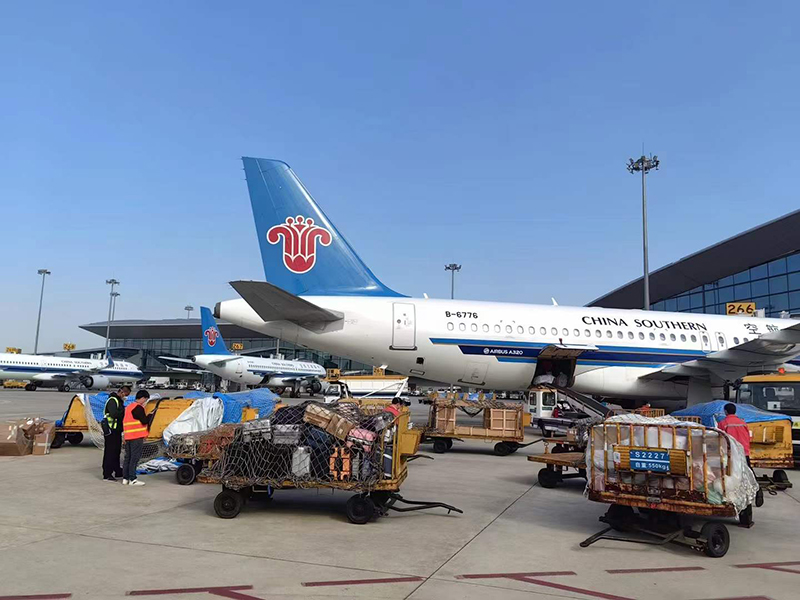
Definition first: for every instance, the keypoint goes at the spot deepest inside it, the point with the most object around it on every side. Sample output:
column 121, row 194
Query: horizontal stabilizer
column 271, row 303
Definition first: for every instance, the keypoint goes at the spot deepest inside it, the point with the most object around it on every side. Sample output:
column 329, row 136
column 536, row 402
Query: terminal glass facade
column 773, row 286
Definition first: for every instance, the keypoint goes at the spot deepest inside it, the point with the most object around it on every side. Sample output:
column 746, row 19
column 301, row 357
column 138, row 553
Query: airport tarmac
column 65, row 533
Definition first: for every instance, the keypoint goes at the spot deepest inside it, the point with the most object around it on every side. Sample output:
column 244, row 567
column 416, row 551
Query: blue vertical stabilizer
column 303, row 252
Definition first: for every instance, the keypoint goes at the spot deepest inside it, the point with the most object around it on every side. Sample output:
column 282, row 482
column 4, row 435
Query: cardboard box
column 446, row 419
column 339, row 427
column 45, row 433
column 16, row 437
column 317, row 415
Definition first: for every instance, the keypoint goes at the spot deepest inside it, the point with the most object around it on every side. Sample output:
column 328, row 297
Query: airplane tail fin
column 302, row 251
column 212, row 338
column 109, row 359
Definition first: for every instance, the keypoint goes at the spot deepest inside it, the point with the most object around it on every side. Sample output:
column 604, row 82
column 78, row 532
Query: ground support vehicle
column 503, row 423
column 558, row 465
column 252, row 461
column 638, row 481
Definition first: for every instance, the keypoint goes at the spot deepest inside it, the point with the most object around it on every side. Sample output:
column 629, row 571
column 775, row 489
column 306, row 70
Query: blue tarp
column 261, row 399
column 713, row 412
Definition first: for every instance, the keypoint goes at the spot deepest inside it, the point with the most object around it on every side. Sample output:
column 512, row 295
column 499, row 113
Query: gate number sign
column 650, row 460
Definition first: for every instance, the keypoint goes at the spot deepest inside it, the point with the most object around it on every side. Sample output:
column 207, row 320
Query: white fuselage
column 494, row 345
column 271, row 372
column 53, row 370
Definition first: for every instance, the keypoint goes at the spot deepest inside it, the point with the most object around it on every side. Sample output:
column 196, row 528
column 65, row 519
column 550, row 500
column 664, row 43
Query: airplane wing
column 271, row 303
column 176, row 359
column 767, row 352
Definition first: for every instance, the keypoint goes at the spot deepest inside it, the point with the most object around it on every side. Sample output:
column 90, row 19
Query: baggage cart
column 639, row 483
column 503, row 423
column 373, row 469
column 558, row 466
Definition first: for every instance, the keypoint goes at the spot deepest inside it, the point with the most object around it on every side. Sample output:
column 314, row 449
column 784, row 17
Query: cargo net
column 308, row 445
column 94, row 405
column 470, row 404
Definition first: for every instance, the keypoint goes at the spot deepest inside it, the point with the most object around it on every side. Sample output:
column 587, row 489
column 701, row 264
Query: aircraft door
column 239, row 368
column 721, row 340
column 705, row 341
column 404, row 328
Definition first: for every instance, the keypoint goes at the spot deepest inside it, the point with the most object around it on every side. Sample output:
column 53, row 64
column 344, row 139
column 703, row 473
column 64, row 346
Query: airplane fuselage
column 246, row 370
column 49, row 371
column 495, row 345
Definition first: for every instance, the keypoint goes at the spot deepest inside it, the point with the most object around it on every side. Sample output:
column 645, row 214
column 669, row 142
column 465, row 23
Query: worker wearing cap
column 135, row 426
column 736, row 428
column 112, row 432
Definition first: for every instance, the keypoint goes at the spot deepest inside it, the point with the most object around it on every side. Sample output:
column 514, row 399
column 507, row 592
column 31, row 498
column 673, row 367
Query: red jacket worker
column 736, row 428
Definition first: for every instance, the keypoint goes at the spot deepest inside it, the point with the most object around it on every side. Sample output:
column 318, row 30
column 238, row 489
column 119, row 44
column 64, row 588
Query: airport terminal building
column 761, row 265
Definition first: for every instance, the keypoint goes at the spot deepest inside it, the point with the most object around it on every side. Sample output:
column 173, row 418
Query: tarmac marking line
column 514, row 575
column 743, row 598
column 569, row 588
column 654, row 570
column 228, row 591
column 361, row 581
column 37, row 597
column 775, row 566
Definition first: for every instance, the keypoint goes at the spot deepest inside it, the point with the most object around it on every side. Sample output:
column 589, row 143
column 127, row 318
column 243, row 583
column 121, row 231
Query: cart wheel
column 619, row 516
column 746, row 517
column 449, row 442
column 75, row 438
column 718, row 540
column 759, row 498
column 185, row 475
column 780, row 476
column 228, row 504
column 502, row 449
column 548, row 478
column 360, row 509
column 559, row 449
column 582, row 473
column 440, row 446
column 198, row 467
column 513, row 446
column 59, row 440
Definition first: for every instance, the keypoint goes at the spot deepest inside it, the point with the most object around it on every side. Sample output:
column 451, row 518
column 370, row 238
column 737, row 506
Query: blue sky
column 490, row 134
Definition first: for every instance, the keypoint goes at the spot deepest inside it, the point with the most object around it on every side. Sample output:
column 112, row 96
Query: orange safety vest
column 132, row 428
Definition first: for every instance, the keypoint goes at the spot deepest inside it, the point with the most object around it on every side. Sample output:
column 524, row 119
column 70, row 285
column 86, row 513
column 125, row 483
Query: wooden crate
column 446, row 419
column 505, row 422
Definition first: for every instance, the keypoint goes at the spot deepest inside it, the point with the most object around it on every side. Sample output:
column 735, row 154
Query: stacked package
column 305, row 445
column 708, row 450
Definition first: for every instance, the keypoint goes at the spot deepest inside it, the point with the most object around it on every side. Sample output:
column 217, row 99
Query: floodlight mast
column 644, row 165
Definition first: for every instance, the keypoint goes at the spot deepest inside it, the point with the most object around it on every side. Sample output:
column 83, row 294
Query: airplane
column 67, row 373
column 320, row 294
column 276, row 374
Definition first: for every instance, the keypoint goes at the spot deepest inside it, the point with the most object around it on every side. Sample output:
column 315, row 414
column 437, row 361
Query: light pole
column 645, row 165
column 188, row 308
column 112, row 283
column 115, row 295
column 44, row 273
column 452, row 267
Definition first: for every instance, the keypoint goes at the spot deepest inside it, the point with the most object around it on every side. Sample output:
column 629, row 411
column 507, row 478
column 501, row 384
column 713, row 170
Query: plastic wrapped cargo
column 667, row 460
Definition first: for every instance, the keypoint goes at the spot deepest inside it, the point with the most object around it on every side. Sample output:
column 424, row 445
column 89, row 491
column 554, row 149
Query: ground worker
column 112, row 433
column 736, row 428
column 135, row 425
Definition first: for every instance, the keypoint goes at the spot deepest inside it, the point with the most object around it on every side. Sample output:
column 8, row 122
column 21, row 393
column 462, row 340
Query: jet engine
column 95, row 382
column 315, row 387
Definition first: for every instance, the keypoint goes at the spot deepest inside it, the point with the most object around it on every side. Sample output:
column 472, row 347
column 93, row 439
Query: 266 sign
column 237, row 346
column 740, row 308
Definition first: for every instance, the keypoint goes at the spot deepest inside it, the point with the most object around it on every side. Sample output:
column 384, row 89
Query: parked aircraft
column 276, row 374
column 320, row 294
column 67, row 373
